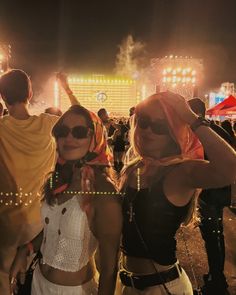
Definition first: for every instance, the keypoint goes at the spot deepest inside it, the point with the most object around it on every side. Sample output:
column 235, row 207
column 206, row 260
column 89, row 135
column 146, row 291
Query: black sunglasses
column 158, row 127
column 78, row 132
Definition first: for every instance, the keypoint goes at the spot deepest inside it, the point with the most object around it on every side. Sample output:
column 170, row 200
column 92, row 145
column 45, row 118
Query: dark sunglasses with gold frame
column 78, row 132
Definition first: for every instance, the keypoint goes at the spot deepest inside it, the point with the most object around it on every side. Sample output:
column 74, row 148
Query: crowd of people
column 94, row 196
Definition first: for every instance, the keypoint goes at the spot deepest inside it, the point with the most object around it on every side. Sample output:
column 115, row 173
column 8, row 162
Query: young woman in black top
column 162, row 184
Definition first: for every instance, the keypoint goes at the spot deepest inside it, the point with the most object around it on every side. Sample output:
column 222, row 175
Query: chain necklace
column 131, row 212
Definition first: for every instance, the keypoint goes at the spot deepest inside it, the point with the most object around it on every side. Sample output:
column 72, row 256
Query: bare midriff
column 142, row 265
column 66, row 278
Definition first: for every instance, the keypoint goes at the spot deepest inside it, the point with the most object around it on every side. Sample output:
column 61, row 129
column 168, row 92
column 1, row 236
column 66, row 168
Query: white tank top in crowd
column 68, row 242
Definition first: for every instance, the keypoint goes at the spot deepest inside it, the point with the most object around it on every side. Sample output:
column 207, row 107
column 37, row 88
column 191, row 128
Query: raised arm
column 221, row 168
column 62, row 78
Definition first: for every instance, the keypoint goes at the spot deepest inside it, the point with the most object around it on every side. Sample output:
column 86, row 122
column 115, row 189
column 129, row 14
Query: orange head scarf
column 180, row 131
column 99, row 154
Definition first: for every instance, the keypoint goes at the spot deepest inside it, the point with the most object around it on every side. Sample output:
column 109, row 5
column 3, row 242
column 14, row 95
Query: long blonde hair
column 187, row 144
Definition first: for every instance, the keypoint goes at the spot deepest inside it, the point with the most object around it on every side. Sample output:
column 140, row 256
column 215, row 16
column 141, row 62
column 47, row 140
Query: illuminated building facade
column 181, row 75
column 116, row 95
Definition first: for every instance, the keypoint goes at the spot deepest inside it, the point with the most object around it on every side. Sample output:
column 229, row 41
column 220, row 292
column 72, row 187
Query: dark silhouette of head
column 131, row 111
column 228, row 127
column 103, row 115
column 197, row 106
column 15, row 87
column 53, row 111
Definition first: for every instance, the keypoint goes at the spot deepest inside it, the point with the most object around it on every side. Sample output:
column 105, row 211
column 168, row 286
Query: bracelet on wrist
column 200, row 121
column 29, row 248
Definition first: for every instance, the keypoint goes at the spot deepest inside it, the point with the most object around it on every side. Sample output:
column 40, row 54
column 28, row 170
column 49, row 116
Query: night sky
column 83, row 36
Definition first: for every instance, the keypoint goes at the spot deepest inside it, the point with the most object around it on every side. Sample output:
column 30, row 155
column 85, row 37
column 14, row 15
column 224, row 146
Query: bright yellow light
column 56, row 94
column 144, row 92
column 169, row 69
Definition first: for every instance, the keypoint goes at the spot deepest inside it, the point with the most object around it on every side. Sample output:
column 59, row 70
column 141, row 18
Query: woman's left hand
column 181, row 107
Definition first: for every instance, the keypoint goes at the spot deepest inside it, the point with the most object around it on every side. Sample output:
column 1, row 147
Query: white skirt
column 41, row 286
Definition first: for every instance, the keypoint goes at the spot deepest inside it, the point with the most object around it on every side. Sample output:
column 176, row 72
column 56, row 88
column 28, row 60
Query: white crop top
column 68, row 242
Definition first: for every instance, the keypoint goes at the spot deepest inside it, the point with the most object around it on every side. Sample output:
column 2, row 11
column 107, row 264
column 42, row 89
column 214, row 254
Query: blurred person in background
column 227, row 126
column 119, row 141
column 107, row 122
column 211, row 205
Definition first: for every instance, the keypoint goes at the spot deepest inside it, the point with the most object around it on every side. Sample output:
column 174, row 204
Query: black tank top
column 157, row 220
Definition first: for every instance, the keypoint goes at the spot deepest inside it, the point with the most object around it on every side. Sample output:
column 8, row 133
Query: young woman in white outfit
column 80, row 213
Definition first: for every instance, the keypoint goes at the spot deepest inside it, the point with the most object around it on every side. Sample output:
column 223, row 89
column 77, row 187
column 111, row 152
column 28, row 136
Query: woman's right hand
column 62, row 78
column 18, row 269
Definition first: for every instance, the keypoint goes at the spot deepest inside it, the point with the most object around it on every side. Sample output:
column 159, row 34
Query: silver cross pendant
column 131, row 212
